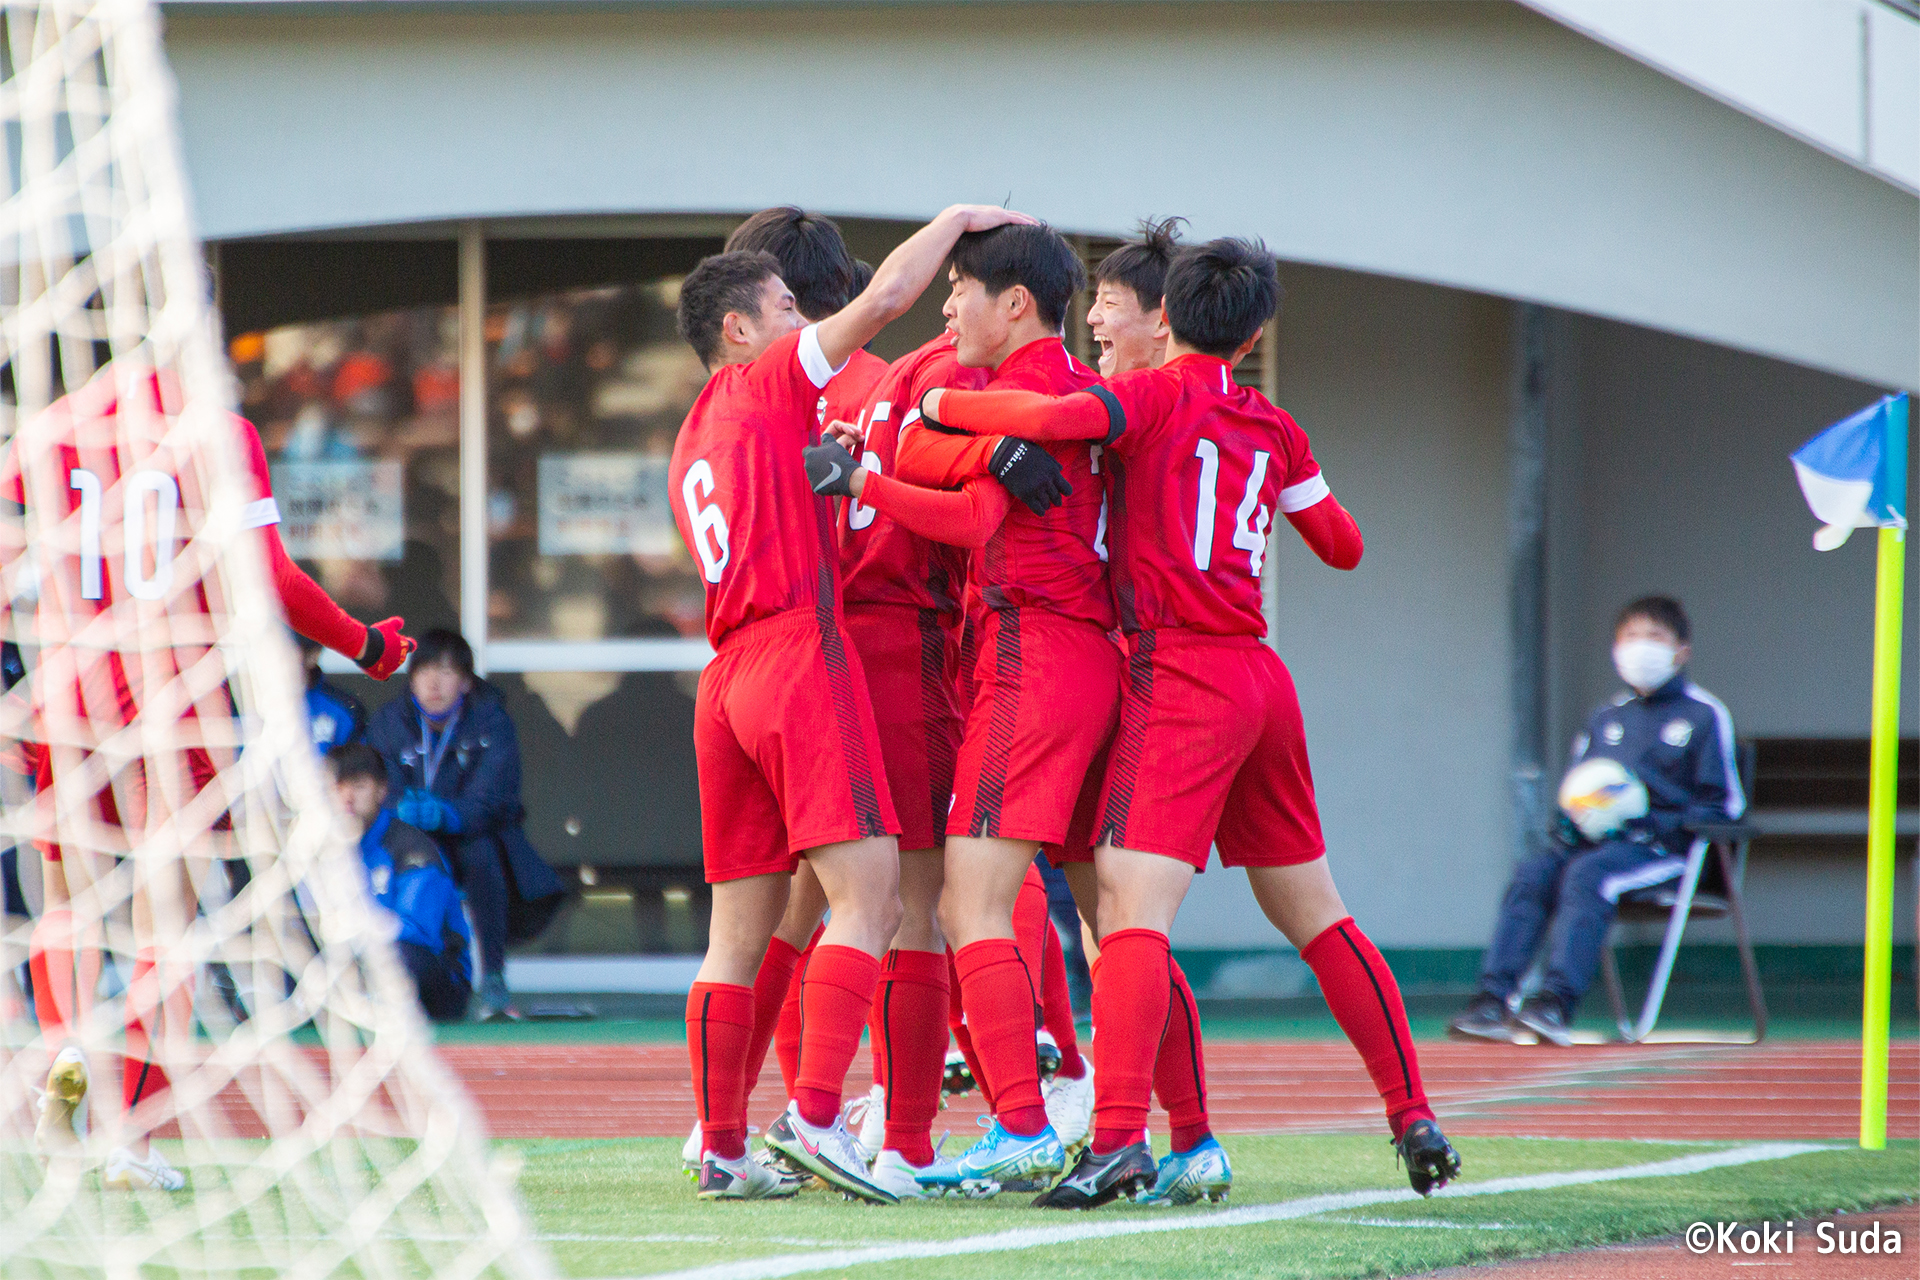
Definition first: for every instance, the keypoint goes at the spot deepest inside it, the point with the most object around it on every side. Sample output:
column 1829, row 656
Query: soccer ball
column 1600, row 796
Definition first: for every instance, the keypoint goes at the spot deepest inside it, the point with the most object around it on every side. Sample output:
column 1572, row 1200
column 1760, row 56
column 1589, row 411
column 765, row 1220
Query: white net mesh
column 215, row 918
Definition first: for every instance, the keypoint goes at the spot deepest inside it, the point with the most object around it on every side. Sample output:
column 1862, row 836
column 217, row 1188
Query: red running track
column 1797, row 1089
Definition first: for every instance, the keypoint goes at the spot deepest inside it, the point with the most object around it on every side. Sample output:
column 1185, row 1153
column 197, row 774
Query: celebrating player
column 1211, row 746
column 789, row 755
column 78, row 485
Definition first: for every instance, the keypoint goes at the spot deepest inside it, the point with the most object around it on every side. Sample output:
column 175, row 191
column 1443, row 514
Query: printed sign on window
column 595, row 504
column 341, row 510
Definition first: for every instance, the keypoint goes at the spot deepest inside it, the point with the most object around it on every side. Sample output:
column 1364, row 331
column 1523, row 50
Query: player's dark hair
column 1220, row 293
column 443, row 647
column 1141, row 265
column 862, row 277
column 1034, row 256
column 813, row 258
column 721, row 283
column 1663, row 611
column 356, row 760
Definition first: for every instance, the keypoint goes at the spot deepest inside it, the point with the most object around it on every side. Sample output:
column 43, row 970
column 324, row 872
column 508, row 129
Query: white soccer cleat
column 867, row 1121
column 1070, row 1106
column 891, row 1172
column 62, row 1127
column 690, row 1153
column 831, row 1154
column 126, row 1172
column 742, row 1179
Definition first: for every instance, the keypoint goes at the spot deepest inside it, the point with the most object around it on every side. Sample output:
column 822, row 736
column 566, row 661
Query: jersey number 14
column 1249, row 522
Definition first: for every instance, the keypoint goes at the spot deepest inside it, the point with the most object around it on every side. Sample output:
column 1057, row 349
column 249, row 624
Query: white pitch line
column 1042, row 1237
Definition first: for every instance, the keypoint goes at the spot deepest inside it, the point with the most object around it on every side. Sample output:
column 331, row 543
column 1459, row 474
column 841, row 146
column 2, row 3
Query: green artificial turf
column 621, row 1207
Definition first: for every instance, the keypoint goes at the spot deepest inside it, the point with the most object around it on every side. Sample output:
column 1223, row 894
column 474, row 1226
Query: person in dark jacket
column 409, row 877
column 334, row 716
column 1677, row 739
column 453, row 760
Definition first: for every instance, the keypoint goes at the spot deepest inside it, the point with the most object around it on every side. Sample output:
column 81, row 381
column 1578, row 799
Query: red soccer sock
column 835, row 998
column 1180, row 1072
column 719, row 1032
column 770, row 988
column 786, row 1035
column 141, row 1077
column 963, row 1038
column 56, row 992
column 876, row 1029
column 911, row 1000
column 1365, row 1000
column 1130, row 1003
column 1056, row 1004
column 998, row 995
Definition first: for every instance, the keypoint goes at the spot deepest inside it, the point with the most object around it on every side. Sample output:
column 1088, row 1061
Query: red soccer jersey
column 881, row 560
column 105, row 503
column 763, row 541
column 851, row 388
column 1056, row 561
column 1199, row 470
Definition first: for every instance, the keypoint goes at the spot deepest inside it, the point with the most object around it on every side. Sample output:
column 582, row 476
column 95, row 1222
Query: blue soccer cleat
column 1189, row 1176
column 1000, row 1158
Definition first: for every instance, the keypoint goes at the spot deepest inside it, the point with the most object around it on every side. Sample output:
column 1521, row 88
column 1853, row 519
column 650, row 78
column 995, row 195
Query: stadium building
column 1566, row 281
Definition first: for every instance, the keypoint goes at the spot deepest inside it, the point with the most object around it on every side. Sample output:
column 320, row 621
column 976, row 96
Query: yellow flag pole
column 1877, row 1010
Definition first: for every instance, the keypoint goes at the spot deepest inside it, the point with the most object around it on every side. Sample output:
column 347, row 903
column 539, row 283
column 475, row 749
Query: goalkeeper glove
column 385, row 649
column 830, row 469
column 423, row 809
column 1030, row 474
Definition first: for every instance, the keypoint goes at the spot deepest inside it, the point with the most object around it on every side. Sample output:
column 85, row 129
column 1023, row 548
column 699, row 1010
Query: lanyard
column 431, row 755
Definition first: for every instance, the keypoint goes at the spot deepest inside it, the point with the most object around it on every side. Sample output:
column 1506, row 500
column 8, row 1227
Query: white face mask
column 1645, row 664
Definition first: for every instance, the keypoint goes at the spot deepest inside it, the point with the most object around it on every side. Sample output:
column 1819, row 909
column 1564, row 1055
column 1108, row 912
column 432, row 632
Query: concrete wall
column 1477, row 145
column 1401, row 665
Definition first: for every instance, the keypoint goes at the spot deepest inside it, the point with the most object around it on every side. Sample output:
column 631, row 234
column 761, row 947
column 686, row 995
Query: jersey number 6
column 709, row 525
column 1249, row 522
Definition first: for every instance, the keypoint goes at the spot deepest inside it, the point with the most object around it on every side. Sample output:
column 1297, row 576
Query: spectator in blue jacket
column 334, row 715
column 1677, row 739
column 453, row 760
column 409, row 877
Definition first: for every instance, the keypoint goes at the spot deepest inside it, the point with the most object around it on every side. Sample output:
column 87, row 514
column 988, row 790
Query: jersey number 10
column 1249, row 522
column 140, row 584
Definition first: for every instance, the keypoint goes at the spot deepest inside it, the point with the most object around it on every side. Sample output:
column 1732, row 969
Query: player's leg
column 776, row 987
column 60, row 962
column 910, row 1017
column 998, row 993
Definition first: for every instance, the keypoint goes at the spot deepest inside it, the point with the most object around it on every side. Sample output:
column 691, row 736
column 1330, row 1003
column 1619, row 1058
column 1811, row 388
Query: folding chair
column 1706, row 890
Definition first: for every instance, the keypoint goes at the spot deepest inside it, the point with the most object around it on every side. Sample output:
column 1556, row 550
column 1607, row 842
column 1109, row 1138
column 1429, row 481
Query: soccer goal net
column 218, row 997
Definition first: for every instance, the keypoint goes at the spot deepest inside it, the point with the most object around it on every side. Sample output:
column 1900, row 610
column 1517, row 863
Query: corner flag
column 1854, row 476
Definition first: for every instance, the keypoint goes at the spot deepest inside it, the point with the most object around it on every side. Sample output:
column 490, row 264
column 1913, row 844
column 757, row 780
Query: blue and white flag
column 1854, row 474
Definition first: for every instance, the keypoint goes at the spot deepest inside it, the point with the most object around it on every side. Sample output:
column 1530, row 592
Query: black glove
column 830, row 469
column 1030, row 474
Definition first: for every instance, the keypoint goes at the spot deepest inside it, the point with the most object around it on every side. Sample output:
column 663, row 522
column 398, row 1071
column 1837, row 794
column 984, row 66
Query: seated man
column 408, row 876
column 1677, row 739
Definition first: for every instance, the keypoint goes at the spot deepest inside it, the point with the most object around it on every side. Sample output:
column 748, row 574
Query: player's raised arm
column 905, row 274
column 379, row 649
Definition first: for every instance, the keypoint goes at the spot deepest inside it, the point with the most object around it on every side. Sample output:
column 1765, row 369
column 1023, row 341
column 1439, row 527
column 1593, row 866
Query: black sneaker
column 1485, row 1019
column 1094, row 1180
column 1430, row 1159
column 1547, row 1018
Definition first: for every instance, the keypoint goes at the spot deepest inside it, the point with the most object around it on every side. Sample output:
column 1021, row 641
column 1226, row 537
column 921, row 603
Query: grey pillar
column 1527, row 578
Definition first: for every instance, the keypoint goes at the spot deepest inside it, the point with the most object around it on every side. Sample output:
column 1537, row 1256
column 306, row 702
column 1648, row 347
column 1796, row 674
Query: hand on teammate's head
column 985, row 217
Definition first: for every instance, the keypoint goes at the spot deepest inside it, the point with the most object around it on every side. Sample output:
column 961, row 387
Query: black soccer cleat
column 1095, row 1180
column 957, row 1078
column 1431, row 1160
column 1047, row 1057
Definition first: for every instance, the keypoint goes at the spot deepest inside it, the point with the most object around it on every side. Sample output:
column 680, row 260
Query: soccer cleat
column 1097, row 1179
column 1431, row 1160
column 742, row 1179
column 1484, row 1019
column 957, row 1077
column 61, row 1129
column 867, row 1121
column 1188, row 1176
column 1070, row 1106
column 690, row 1152
column 892, row 1173
column 830, row 1154
column 126, row 1172
column 1046, row 1051
column 1002, row 1161
column 1546, row 1017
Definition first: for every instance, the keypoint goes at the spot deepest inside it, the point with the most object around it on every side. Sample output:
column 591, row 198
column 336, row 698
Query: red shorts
column 102, row 829
column 911, row 660
column 1210, row 749
column 1048, row 692
column 788, row 754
